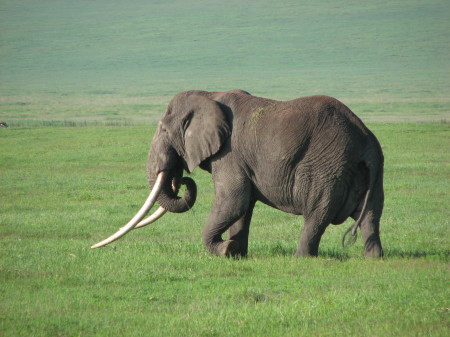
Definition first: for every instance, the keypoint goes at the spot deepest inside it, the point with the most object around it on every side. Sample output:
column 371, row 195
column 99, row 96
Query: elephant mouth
column 169, row 201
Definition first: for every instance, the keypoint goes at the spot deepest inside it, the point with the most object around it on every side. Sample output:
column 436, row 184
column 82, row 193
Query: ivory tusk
column 159, row 212
column 140, row 215
column 152, row 218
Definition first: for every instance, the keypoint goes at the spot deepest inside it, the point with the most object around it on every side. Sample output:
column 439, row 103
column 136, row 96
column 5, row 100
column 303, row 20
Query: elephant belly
column 306, row 191
column 288, row 208
column 279, row 198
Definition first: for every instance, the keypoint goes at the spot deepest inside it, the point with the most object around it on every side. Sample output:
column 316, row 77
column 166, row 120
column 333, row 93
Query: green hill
column 114, row 61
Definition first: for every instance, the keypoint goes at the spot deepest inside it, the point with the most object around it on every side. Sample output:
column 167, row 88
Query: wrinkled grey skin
column 309, row 156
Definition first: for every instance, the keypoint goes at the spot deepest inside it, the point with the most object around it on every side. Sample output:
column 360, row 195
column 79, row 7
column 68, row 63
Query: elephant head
column 192, row 129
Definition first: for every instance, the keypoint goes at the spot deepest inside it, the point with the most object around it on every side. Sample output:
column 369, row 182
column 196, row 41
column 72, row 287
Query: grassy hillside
column 122, row 61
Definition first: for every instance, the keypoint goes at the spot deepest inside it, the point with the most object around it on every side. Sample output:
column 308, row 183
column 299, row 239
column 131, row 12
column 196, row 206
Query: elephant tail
column 375, row 166
column 347, row 242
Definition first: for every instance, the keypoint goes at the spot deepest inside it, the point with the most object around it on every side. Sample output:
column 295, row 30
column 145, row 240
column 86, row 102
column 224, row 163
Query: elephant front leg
column 232, row 208
column 212, row 237
column 239, row 231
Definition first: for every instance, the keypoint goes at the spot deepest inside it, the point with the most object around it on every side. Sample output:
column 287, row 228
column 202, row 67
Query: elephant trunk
column 168, row 198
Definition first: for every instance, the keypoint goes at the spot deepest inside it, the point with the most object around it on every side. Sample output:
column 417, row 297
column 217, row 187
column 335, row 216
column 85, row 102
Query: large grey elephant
column 309, row 156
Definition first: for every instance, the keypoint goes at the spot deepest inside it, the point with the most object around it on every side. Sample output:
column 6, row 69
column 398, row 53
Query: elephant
column 310, row 156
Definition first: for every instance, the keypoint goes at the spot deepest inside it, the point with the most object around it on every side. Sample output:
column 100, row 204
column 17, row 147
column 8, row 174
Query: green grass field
column 64, row 189
column 82, row 85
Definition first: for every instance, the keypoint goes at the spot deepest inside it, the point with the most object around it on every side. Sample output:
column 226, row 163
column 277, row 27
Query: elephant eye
column 165, row 131
column 161, row 126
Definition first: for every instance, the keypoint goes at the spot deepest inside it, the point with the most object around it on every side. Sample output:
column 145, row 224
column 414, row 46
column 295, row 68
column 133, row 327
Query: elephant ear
column 206, row 131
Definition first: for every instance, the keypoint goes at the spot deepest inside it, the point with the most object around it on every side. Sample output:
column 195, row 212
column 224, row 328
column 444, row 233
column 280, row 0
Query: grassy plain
column 65, row 188
column 82, row 85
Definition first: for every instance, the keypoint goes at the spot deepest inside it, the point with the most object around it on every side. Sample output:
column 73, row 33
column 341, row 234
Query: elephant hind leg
column 322, row 208
column 310, row 238
column 370, row 224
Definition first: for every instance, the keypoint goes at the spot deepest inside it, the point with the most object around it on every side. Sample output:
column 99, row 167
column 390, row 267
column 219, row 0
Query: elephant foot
column 374, row 252
column 229, row 248
column 307, row 250
column 305, row 253
column 372, row 247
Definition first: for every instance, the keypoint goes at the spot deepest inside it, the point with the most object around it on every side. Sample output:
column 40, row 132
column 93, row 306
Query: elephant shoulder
column 239, row 92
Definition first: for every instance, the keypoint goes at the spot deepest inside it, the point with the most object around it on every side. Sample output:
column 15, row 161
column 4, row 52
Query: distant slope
column 393, row 51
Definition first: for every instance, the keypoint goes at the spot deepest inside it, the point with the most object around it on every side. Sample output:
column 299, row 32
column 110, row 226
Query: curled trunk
column 168, row 198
